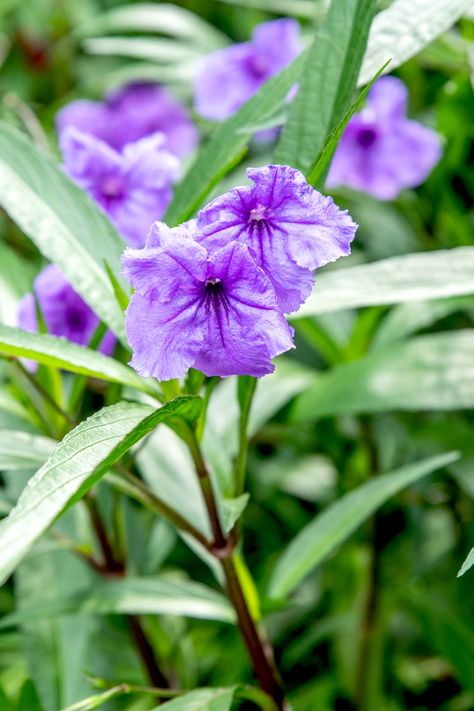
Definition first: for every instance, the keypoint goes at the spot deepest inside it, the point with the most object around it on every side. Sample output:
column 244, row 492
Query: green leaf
column 320, row 163
column 468, row 563
column 411, row 277
column 329, row 529
column 404, row 28
column 298, row 8
column 406, row 319
column 78, row 462
column 21, row 450
column 228, row 143
column 61, row 353
column 440, row 364
column 63, row 222
column 232, row 510
column 132, row 596
column 327, row 82
column 201, row 700
column 166, row 51
column 164, row 19
column 15, row 281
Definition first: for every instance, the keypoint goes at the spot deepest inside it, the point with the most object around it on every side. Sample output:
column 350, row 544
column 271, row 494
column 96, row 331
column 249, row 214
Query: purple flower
column 132, row 186
column 216, row 312
column 381, row 151
column 63, row 311
column 289, row 228
column 229, row 77
column 133, row 112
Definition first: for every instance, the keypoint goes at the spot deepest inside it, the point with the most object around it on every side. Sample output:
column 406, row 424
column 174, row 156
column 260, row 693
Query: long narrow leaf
column 327, row 82
column 331, row 528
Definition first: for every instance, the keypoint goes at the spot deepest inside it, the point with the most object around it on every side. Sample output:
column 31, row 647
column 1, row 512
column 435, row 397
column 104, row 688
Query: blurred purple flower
column 229, row 77
column 289, row 228
column 215, row 312
column 133, row 112
column 132, row 186
column 64, row 312
column 381, row 151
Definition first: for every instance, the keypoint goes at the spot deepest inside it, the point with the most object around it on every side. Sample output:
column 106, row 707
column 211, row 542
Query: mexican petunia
column 131, row 113
column 229, row 77
column 216, row 312
column 381, row 151
column 133, row 186
column 64, row 312
column 289, row 228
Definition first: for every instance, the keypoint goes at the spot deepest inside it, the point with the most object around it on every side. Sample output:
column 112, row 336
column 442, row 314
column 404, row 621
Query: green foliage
column 327, row 82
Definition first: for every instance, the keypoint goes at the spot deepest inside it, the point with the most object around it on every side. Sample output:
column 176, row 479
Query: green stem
column 260, row 652
column 131, row 485
column 247, row 388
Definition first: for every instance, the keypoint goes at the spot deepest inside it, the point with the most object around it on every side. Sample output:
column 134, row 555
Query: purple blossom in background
column 64, row 312
column 132, row 186
column 289, row 228
column 229, row 77
column 133, row 112
column 216, row 312
column 381, row 151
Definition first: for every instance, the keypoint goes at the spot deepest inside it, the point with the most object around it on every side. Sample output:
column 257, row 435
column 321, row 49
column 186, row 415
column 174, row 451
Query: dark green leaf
column 329, row 529
column 327, row 82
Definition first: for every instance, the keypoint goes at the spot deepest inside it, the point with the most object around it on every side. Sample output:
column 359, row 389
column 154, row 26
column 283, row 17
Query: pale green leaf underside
column 329, row 529
column 468, row 563
column 79, row 460
column 22, row 450
column 63, row 222
column 61, row 353
column 201, row 700
column 134, row 596
column 441, row 366
column 411, row 277
column 404, row 28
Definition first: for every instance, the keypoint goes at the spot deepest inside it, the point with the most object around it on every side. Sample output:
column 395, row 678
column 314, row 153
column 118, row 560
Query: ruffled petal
column 247, row 330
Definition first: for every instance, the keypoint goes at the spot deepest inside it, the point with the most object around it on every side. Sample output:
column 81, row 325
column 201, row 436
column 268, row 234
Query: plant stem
column 261, row 653
column 131, row 485
column 117, row 567
column 247, row 388
column 156, row 676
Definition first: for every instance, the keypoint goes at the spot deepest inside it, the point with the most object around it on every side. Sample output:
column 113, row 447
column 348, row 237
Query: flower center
column 112, row 187
column 366, row 137
column 257, row 213
column 76, row 320
column 214, row 295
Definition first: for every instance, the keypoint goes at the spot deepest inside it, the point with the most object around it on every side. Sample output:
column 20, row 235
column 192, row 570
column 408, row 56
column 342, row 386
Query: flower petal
column 248, row 331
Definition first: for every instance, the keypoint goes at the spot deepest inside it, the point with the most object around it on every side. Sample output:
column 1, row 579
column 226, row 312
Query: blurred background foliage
column 385, row 624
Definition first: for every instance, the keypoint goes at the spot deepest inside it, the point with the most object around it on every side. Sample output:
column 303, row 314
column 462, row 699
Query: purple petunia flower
column 381, row 151
column 64, row 312
column 289, row 228
column 229, row 77
column 216, row 312
column 132, row 186
column 133, row 112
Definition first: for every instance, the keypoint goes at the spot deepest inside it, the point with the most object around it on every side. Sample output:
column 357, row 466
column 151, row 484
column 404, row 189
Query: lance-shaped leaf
column 411, row 277
column 434, row 372
column 329, row 529
column 84, row 455
column 404, row 28
column 327, row 82
column 61, row 353
column 63, row 222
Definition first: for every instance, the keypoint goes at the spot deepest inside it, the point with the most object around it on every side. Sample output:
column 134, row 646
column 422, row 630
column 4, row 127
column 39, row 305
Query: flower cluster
column 229, row 77
column 212, row 293
column 64, row 312
column 381, row 151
